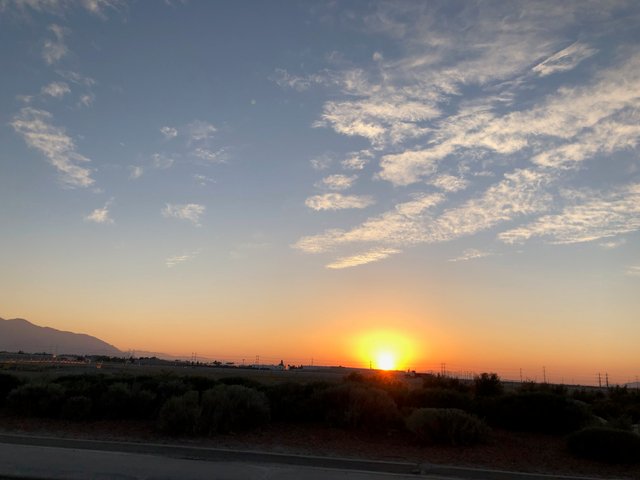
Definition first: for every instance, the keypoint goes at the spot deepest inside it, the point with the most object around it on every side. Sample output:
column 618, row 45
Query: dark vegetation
column 599, row 424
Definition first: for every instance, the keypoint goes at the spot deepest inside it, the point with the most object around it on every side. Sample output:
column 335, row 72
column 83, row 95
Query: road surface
column 40, row 458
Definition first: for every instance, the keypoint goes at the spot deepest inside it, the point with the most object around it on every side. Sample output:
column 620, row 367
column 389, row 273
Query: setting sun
column 386, row 361
column 385, row 350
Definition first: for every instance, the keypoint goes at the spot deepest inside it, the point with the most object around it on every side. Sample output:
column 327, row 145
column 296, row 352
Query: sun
column 386, row 361
column 385, row 350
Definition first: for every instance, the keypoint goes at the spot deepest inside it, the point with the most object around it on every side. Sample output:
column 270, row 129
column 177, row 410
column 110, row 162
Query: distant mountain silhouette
column 19, row 334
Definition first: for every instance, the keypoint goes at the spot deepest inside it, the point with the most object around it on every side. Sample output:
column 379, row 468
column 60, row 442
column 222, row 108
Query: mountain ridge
column 19, row 334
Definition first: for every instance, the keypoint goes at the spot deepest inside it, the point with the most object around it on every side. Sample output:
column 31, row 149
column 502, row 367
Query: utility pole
column 606, row 377
column 599, row 380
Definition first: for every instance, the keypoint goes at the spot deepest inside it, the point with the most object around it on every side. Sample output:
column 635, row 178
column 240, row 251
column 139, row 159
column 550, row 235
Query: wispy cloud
column 404, row 225
column 59, row 7
column 38, row 132
column 357, row 160
column 338, row 182
column 54, row 49
column 471, row 254
column 175, row 260
column 589, row 216
column 101, row 215
column 564, row 60
column 86, row 100
column 374, row 255
column 200, row 132
column 162, row 161
column 135, row 172
column 56, row 89
column 338, row 201
column 190, row 212
column 461, row 106
column 518, row 194
column 211, row 156
column 633, row 270
column 611, row 244
column 449, row 183
column 77, row 78
column 169, row 132
column 321, row 162
column 203, row 180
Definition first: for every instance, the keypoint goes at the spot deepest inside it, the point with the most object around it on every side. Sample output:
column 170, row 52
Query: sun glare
column 385, row 350
column 386, row 361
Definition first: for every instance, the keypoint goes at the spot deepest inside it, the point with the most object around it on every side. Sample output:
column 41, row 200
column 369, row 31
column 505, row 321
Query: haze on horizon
column 305, row 180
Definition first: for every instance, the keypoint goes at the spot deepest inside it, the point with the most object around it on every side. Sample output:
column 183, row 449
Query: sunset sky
column 457, row 182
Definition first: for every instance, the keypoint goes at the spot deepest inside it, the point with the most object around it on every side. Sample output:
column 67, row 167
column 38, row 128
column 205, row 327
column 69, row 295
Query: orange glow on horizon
column 385, row 350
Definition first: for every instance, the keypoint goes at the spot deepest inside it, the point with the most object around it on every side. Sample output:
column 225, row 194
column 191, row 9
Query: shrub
column 77, row 408
column 116, row 401
column 143, row 404
column 179, row 415
column 438, row 398
column 538, row 412
column 358, row 406
column 488, row 385
column 605, row 445
column 244, row 381
column 227, row 408
column 38, row 400
column 7, row 383
column 292, row 402
column 448, row 426
column 442, row 381
column 382, row 380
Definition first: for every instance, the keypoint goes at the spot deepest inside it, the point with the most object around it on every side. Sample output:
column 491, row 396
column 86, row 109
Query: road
column 67, row 459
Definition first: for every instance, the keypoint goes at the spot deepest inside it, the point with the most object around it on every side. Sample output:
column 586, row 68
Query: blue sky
column 460, row 167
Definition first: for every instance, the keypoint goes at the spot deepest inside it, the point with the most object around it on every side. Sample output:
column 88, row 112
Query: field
column 333, row 412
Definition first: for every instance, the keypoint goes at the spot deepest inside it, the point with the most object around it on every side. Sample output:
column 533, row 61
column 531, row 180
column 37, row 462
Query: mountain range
column 19, row 334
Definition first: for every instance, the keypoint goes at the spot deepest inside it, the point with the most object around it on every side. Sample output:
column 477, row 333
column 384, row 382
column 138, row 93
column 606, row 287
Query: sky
column 453, row 183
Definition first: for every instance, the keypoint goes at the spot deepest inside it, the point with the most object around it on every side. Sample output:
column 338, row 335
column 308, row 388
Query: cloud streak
column 176, row 260
column 39, row 133
column 589, row 216
column 55, row 49
column 338, row 201
column 190, row 212
column 101, row 215
column 373, row 255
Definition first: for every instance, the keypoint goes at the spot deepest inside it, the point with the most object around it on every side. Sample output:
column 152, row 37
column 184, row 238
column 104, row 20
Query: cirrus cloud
column 189, row 211
column 338, row 201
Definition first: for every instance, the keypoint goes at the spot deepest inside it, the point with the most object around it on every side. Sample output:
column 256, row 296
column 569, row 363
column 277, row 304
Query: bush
column 605, row 445
column 538, row 412
column 382, row 380
column 38, row 400
column 116, row 401
column 442, row 381
column 438, row 398
column 180, row 415
column 7, row 383
column 293, row 402
column 448, row 426
column 227, row 408
column 244, row 381
column 488, row 385
column 77, row 408
column 357, row 406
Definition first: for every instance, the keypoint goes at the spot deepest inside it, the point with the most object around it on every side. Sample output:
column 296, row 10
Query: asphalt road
column 40, row 458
